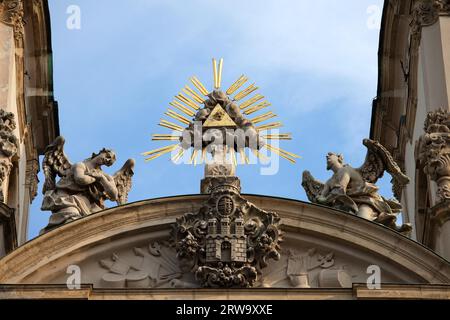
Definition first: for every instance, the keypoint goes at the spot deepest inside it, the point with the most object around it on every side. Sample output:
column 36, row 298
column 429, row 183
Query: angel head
column 334, row 160
column 105, row 157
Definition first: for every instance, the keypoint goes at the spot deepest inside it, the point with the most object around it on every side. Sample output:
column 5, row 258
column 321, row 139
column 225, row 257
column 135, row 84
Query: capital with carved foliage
column 11, row 13
column 434, row 151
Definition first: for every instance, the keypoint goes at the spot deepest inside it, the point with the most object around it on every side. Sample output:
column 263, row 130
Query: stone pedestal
column 221, row 167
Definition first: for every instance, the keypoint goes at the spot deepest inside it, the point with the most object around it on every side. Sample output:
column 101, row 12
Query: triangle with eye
column 219, row 118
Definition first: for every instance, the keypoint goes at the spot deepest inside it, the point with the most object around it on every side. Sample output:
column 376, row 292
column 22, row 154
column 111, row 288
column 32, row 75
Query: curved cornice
column 157, row 214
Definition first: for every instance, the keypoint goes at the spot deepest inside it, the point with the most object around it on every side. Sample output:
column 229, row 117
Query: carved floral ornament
column 9, row 145
column 11, row 13
column 427, row 12
column 434, row 151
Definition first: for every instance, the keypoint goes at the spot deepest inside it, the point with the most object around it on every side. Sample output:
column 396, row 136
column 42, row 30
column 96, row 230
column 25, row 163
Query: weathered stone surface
column 354, row 190
column 83, row 187
column 9, row 145
column 132, row 241
column 228, row 241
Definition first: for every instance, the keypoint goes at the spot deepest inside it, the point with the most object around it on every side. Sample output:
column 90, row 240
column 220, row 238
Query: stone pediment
column 129, row 247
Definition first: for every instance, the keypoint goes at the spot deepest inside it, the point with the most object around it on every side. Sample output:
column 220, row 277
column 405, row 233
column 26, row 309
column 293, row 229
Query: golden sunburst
column 187, row 108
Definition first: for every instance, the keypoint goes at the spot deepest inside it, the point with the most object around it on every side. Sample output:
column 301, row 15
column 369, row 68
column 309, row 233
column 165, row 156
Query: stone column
column 434, row 157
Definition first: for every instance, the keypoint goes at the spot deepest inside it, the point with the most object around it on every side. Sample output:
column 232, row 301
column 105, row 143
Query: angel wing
column 378, row 160
column 312, row 187
column 55, row 163
column 122, row 178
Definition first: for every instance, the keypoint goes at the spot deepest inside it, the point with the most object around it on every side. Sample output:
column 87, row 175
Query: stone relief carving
column 11, row 13
column 151, row 267
column 354, row 190
column 434, row 151
column 299, row 266
column 9, row 145
column 83, row 187
column 157, row 266
column 307, row 268
column 229, row 240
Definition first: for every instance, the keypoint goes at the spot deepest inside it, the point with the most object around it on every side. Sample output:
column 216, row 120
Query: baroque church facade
column 343, row 244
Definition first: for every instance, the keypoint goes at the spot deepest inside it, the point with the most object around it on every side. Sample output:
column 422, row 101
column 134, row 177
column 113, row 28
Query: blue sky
column 315, row 61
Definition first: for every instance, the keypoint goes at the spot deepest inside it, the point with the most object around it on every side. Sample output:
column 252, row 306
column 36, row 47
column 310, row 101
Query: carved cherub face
column 334, row 160
column 105, row 157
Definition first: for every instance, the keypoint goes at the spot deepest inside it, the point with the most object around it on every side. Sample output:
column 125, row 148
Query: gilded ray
column 236, row 85
column 170, row 125
column 244, row 159
column 214, row 62
column 177, row 116
column 280, row 153
column 161, row 137
column 169, row 147
column 194, row 95
column 187, row 101
column 199, row 86
column 178, row 156
column 283, row 151
column 203, row 155
column 156, row 154
column 247, row 91
column 263, row 117
column 193, row 157
column 259, row 155
column 182, row 108
column 217, row 73
column 257, row 107
column 273, row 125
column 219, row 80
column 233, row 156
column 251, row 101
column 280, row 136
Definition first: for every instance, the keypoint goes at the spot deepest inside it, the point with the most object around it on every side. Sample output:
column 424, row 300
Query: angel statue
column 354, row 190
column 83, row 187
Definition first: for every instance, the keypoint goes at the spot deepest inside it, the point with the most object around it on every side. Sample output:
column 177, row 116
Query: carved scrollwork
column 427, row 12
column 229, row 240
